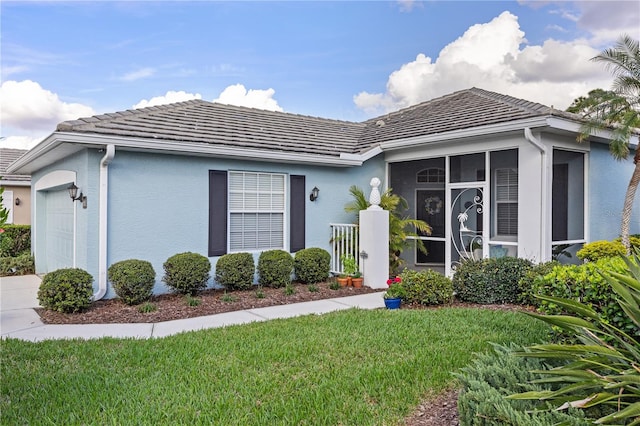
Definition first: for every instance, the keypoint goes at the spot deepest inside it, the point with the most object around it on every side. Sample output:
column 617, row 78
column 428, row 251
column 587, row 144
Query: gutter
column 528, row 135
column 102, row 232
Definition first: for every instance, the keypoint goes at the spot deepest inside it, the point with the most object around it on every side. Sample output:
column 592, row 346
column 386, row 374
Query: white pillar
column 374, row 241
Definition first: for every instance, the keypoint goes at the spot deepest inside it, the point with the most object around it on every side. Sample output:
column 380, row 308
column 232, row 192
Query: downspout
column 102, row 233
column 528, row 135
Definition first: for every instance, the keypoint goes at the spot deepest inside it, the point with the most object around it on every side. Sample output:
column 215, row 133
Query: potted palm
column 394, row 294
column 357, row 280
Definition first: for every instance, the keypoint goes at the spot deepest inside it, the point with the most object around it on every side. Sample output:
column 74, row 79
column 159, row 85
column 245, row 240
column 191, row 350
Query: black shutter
column 297, row 213
column 217, row 212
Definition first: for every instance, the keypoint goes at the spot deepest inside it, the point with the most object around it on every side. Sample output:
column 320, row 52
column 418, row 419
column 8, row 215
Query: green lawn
column 353, row 368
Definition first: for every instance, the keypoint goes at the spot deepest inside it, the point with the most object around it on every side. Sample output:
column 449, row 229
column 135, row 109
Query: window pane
column 467, row 168
column 567, row 196
column 504, row 194
column 256, row 217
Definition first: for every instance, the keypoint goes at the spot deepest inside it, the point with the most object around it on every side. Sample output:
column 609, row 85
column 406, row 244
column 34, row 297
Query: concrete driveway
column 18, row 297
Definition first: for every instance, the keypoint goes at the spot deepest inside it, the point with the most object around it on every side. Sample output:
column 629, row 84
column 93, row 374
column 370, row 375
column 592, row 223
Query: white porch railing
column 344, row 242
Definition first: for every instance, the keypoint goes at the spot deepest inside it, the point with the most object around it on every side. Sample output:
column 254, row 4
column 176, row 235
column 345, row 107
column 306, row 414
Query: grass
column 350, row 367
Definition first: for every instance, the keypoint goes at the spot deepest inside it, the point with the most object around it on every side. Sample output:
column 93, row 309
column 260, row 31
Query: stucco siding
column 159, row 204
column 608, row 180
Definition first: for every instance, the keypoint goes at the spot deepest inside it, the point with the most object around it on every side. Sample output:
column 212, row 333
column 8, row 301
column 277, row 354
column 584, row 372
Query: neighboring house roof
column 8, row 156
column 199, row 127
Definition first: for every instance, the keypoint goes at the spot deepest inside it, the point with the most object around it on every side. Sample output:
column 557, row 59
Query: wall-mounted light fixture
column 18, row 201
column 73, row 191
column 314, row 193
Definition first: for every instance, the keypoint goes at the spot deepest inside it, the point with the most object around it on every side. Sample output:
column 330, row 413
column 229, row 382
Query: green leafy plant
column 187, row 273
column 603, row 368
column 260, row 293
column 313, row 288
column 584, row 284
column 396, row 289
column 312, row 265
column 530, row 277
column 426, row 287
column 19, row 265
column 192, row 301
column 66, row 290
column 147, row 307
column 334, row 285
column 235, row 271
column 401, row 226
column 15, row 240
column 600, row 249
column 349, row 266
column 275, row 268
column 228, row 297
column 490, row 280
column 132, row 280
column 496, row 374
column 289, row 290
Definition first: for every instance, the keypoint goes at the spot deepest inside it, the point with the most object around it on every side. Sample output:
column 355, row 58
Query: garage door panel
column 59, row 230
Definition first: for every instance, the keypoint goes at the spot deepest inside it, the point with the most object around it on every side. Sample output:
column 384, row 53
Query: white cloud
column 606, row 21
column 28, row 107
column 490, row 56
column 170, row 97
column 237, row 94
column 138, row 74
column 20, row 142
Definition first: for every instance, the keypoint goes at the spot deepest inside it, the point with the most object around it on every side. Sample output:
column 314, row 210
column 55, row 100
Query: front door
column 430, row 207
column 467, row 224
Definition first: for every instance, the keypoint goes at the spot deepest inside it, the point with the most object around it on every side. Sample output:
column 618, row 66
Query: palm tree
column 618, row 110
column 400, row 227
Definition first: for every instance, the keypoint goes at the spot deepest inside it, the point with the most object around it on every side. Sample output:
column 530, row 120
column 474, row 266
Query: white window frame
column 256, row 209
column 7, row 203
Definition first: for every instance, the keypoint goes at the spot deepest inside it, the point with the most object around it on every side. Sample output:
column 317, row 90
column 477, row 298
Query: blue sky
column 342, row 60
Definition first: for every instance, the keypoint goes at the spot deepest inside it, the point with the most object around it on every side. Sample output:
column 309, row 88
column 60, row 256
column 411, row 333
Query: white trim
column 7, row 203
column 57, row 139
column 15, row 182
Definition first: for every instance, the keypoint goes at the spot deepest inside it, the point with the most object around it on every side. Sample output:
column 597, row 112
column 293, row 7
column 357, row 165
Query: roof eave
column 28, row 163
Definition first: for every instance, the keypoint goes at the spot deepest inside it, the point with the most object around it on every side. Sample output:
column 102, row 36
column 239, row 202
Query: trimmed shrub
column 66, row 290
column 186, row 273
column 526, row 283
column 132, row 280
column 583, row 283
column 495, row 375
column 597, row 250
column 235, row 271
column 312, row 265
column 426, row 287
column 275, row 268
column 19, row 265
column 15, row 240
column 489, row 281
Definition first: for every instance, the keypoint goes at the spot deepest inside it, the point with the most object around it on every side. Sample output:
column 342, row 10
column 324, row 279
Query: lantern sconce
column 73, row 193
column 18, row 201
column 314, row 193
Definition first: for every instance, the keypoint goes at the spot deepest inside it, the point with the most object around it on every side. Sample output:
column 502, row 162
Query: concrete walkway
column 18, row 297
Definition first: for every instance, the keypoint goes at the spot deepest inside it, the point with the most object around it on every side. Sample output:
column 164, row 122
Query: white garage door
column 59, row 230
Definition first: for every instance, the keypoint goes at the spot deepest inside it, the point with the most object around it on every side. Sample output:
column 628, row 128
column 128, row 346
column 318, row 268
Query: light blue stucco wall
column 608, row 181
column 86, row 220
column 159, row 204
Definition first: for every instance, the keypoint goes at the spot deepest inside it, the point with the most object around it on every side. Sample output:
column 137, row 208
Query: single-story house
column 17, row 188
column 492, row 174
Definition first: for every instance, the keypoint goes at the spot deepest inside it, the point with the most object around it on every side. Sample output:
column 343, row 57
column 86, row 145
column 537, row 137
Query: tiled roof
column 460, row 110
column 225, row 125
column 8, row 156
column 199, row 121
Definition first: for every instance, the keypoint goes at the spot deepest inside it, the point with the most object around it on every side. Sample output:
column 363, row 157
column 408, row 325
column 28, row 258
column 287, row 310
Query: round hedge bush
column 66, row 290
column 488, row 281
column 235, row 271
column 275, row 268
column 186, row 273
column 132, row 280
column 312, row 265
column 426, row 287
